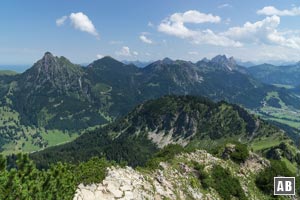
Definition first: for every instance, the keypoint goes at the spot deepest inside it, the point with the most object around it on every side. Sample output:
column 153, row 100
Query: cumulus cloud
column 194, row 16
column 61, row 21
column 263, row 32
column 144, row 39
column 271, row 10
column 175, row 25
column 79, row 21
column 82, row 22
column 209, row 37
column 126, row 52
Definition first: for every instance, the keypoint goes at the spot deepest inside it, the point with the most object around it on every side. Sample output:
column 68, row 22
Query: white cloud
column 61, row 21
column 209, row 37
column 225, row 5
column 271, row 10
column 175, row 25
column 126, row 52
column 99, row 56
column 81, row 22
column 263, row 32
column 194, row 16
column 144, row 39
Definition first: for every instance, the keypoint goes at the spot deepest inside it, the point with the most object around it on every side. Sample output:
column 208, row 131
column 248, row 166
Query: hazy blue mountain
column 271, row 74
column 137, row 63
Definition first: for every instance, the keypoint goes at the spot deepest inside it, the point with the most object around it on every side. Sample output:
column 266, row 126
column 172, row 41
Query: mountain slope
column 48, row 104
column 193, row 122
column 113, row 85
column 50, row 91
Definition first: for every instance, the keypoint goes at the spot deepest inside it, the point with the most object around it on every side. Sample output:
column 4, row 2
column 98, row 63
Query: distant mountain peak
column 138, row 63
column 107, row 58
column 53, row 69
column 167, row 60
column 232, row 60
column 48, row 54
column 223, row 61
column 205, row 60
column 106, row 61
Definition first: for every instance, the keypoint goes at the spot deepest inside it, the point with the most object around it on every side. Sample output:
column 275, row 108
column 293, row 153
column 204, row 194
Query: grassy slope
column 26, row 138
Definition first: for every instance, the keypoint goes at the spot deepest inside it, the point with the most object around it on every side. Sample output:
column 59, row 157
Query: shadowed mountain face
column 51, row 91
column 57, row 94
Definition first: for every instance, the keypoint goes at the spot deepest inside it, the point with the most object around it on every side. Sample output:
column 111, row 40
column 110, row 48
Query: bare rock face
column 129, row 184
column 120, row 183
column 170, row 181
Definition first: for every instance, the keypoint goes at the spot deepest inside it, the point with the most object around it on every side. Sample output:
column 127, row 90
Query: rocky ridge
column 173, row 180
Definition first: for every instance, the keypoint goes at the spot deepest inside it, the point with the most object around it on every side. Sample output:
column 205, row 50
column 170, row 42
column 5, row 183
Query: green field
column 285, row 115
column 37, row 139
column 21, row 138
column 282, row 115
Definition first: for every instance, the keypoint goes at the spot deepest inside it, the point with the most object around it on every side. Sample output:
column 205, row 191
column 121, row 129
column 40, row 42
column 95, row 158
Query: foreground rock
column 175, row 180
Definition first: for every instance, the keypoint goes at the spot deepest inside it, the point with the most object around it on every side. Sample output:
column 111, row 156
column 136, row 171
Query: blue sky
column 84, row 30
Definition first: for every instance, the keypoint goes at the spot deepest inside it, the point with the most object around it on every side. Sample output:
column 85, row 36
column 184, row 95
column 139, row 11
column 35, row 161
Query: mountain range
column 56, row 98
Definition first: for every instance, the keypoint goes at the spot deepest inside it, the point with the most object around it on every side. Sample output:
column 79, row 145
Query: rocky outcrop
column 173, row 180
column 119, row 183
column 128, row 184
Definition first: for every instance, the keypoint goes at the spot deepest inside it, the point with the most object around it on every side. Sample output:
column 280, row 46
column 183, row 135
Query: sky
column 86, row 30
